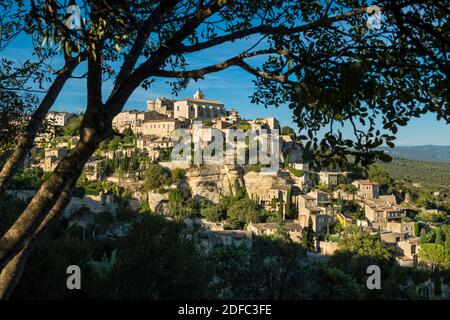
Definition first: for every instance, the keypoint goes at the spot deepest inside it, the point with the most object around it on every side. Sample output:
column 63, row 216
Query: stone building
column 330, row 178
column 52, row 157
column 308, row 207
column 380, row 211
column 267, row 229
column 161, row 105
column 132, row 119
column 198, row 108
column 264, row 124
column 59, row 119
column 367, row 189
column 161, row 126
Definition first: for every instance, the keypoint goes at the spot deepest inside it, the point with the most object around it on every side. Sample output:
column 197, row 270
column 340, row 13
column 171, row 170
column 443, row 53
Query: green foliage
column 308, row 235
column 296, row 172
column 45, row 274
column 124, row 213
column 349, row 188
column 181, row 271
column 239, row 191
column 365, row 245
column 29, row 179
column 218, row 212
column 252, row 167
column 357, row 252
column 290, row 210
column 438, row 237
column 93, row 188
column 208, row 123
column 178, row 174
column 325, row 282
column 416, row 229
column 125, row 140
column 134, row 163
column 127, row 134
column 177, row 205
column 14, row 108
column 328, row 234
column 164, row 155
column 287, row 131
column 436, row 256
column 213, row 213
column 156, row 177
column 423, row 236
column 426, row 172
column 232, row 267
column 244, row 126
column 432, row 217
column 72, row 128
column 378, row 173
column 242, row 212
column 10, row 209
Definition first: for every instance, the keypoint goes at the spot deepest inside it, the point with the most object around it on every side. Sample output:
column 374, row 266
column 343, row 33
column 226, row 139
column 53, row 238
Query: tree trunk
column 66, row 173
column 12, row 272
column 27, row 139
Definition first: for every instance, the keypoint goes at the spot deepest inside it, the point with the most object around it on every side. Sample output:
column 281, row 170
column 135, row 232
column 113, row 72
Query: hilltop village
column 131, row 174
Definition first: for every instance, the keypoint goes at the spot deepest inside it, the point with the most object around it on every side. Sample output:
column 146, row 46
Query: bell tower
column 199, row 94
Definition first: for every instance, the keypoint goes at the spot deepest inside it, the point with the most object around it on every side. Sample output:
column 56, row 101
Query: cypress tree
column 423, row 236
column 447, row 241
column 438, row 239
column 339, row 199
column 288, row 203
column 416, row 229
column 310, row 235
column 327, row 237
column 281, row 210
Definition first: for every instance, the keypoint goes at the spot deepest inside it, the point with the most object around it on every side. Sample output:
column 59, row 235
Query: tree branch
column 121, row 93
column 267, row 29
column 132, row 57
column 235, row 61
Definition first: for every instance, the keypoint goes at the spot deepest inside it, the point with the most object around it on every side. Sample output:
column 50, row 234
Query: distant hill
column 425, row 153
column 426, row 172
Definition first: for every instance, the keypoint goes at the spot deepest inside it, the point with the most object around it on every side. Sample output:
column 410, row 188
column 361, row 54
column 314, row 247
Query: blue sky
column 232, row 86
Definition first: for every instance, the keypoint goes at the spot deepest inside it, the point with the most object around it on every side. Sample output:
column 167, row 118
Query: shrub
column 156, row 177
column 296, row 172
column 178, row 174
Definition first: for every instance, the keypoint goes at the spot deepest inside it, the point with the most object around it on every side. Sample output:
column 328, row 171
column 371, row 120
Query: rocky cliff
column 212, row 182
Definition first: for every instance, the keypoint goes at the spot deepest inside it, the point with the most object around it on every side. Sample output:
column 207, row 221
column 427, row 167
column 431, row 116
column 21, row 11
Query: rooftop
column 156, row 116
column 202, row 101
column 274, row 226
column 306, row 197
column 366, row 182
